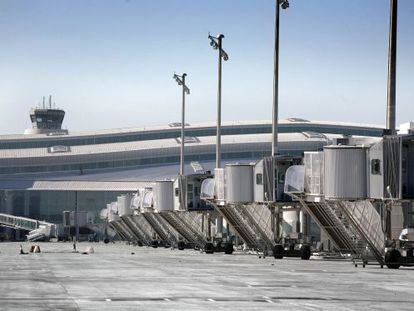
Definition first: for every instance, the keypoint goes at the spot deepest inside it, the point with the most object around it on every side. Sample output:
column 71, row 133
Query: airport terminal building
column 48, row 170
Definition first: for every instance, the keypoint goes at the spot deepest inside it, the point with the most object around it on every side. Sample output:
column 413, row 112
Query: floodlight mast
column 275, row 111
column 217, row 44
column 392, row 64
column 185, row 90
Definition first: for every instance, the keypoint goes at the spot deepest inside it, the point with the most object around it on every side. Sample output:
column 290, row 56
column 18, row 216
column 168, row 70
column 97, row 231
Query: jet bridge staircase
column 347, row 224
column 367, row 222
column 161, row 228
column 328, row 217
column 252, row 222
column 122, row 230
column 142, row 224
column 140, row 234
column 188, row 225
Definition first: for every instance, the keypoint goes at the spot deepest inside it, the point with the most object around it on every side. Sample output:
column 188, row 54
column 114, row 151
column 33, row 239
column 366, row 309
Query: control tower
column 46, row 120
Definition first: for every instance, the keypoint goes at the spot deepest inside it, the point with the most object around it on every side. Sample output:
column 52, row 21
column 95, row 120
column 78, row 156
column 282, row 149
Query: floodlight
column 284, row 4
column 225, row 56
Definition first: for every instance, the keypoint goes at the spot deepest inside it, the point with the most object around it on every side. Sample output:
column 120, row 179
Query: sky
column 109, row 63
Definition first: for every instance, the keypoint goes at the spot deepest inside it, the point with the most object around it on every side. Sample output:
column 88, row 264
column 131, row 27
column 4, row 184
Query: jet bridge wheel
column 393, row 259
column 181, row 245
column 228, row 249
column 209, row 248
column 306, row 252
column 278, row 251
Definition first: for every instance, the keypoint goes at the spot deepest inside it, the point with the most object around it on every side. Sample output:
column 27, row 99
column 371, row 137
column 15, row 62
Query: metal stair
column 141, row 223
column 164, row 231
column 367, row 222
column 120, row 229
column 172, row 234
column 194, row 221
column 260, row 217
column 248, row 223
column 181, row 225
column 134, row 236
column 360, row 227
column 325, row 215
column 140, row 235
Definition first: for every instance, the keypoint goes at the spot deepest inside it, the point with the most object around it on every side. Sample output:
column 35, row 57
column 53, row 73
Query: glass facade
column 49, row 205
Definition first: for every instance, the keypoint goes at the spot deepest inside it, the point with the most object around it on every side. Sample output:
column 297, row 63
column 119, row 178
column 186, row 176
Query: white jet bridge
column 37, row 229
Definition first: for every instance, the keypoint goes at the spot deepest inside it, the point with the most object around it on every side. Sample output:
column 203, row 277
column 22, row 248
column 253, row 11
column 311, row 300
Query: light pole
column 217, row 44
column 275, row 111
column 185, row 90
column 392, row 64
column 284, row 4
column 76, row 221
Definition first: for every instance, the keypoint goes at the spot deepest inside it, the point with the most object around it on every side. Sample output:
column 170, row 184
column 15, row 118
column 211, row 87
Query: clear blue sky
column 110, row 63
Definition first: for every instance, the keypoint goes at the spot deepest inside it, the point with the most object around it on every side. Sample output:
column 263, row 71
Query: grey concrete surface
column 162, row 279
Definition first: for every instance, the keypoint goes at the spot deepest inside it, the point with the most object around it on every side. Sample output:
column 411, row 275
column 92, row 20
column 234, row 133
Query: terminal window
column 259, row 179
column 376, row 167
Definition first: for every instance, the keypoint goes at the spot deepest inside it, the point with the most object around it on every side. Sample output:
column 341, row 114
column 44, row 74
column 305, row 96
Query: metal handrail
column 365, row 233
column 145, row 227
column 137, row 232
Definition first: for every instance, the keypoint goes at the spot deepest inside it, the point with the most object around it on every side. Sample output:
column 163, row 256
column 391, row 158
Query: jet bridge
column 241, row 194
column 231, row 194
column 37, row 229
column 332, row 188
column 180, row 206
